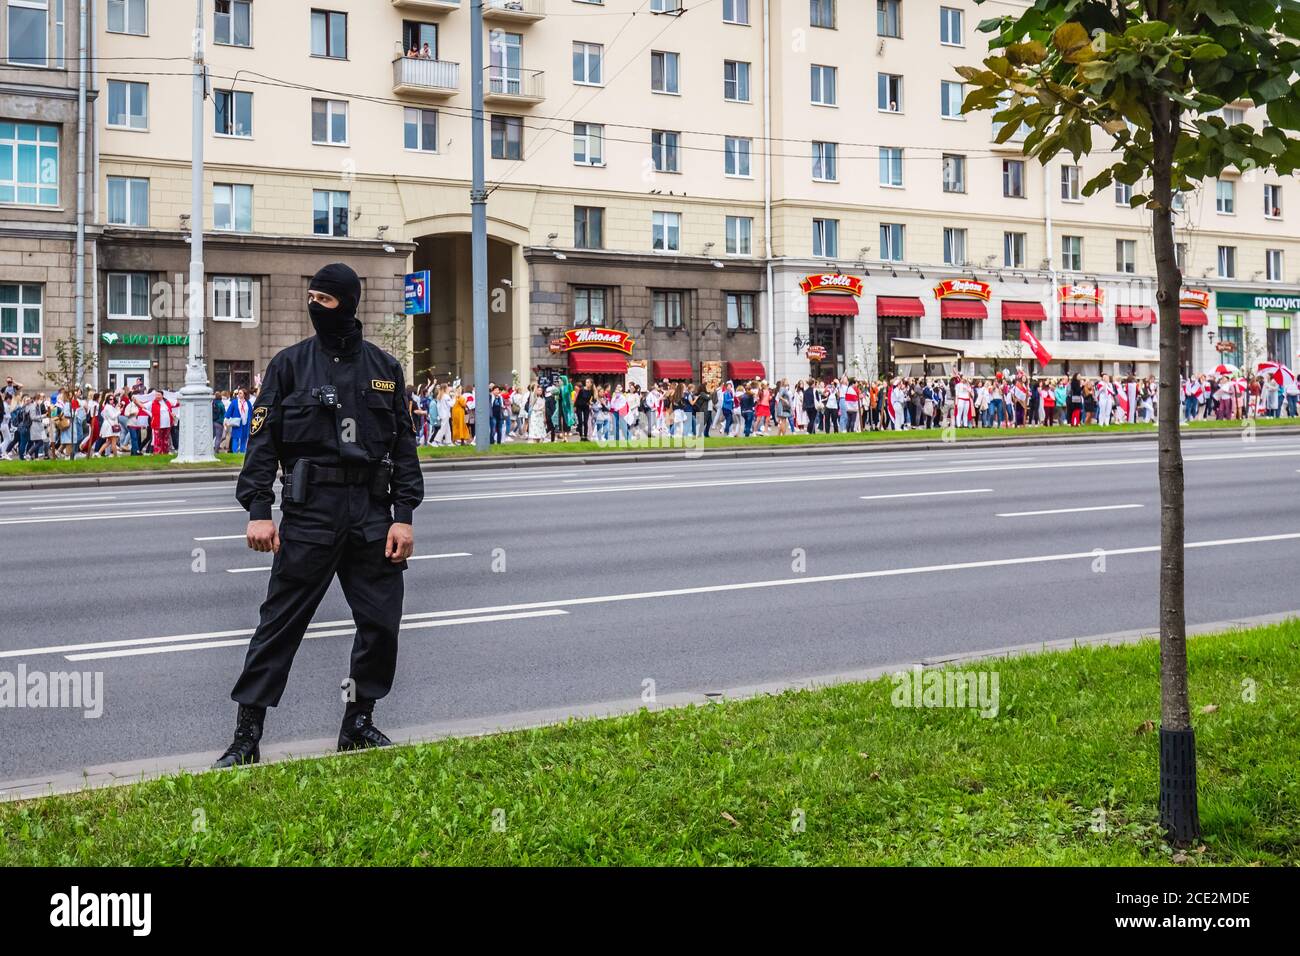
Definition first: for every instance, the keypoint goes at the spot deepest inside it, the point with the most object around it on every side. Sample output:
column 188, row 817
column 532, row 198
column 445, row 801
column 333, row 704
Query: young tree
column 1143, row 82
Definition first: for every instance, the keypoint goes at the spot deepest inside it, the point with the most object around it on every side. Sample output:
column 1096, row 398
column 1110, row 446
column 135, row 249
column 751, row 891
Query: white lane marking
column 106, row 504
column 674, row 592
column 1065, row 511
column 988, row 461
column 928, row 494
column 53, row 497
column 791, row 479
column 414, row 557
column 532, row 477
column 571, row 481
column 49, row 519
column 224, row 537
column 347, row 632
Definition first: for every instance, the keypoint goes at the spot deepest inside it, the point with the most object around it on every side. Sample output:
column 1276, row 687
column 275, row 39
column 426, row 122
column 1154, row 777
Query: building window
column 233, row 113
column 1123, row 193
column 950, row 98
column 1072, row 253
column 1233, row 115
column 329, row 34
column 954, row 173
column 735, row 81
column 589, row 144
column 891, row 242
column 665, row 6
column 663, row 150
column 740, row 310
column 1272, row 201
column 329, row 122
column 232, row 207
column 1227, row 262
column 1273, row 265
column 957, row 329
column 666, row 232
column 232, row 299
column 420, row 129
column 587, row 62
column 128, row 104
column 588, row 306
column 129, row 16
column 416, row 35
column 21, row 320
column 1278, row 341
column 1177, row 202
column 128, row 201
column 1078, row 331
column 128, row 296
column 29, row 164
column 28, row 29
column 826, row 238
column 950, row 26
column 823, row 85
column 329, row 212
column 954, row 247
column 735, row 11
column 735, row 157
column 588, row 227
column 824, row 161
column 1126, row 255
column 507, row 137
column 1013, row 178
column 666, row 309
column 889, row 92
column 234, row 22
column 1225, row 196
column 889, row 19
column 1013, row 250
column 663, row 72
column 821, row 13
column 230, row 375
column 1070, row 183
column 739, row 232
column 891, row 166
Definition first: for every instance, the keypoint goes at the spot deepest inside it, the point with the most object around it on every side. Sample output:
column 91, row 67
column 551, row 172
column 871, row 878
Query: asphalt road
column 561, row 587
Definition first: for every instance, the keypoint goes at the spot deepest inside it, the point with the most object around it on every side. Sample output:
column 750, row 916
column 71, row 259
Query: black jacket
column 289, row 422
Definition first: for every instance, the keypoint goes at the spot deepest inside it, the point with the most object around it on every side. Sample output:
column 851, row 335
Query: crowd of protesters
column 66, row 423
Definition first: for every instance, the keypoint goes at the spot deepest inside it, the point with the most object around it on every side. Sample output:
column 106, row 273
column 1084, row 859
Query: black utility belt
column 306, row 474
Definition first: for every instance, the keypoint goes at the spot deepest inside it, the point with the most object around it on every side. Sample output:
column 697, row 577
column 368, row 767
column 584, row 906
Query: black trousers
column 341, row 532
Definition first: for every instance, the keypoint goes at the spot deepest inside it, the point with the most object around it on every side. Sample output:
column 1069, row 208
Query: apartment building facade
column 739, row 188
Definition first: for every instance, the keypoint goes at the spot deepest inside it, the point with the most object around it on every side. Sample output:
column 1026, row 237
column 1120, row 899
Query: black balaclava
column 339, row 328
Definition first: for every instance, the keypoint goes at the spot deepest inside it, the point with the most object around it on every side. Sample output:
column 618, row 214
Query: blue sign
column 417, row 293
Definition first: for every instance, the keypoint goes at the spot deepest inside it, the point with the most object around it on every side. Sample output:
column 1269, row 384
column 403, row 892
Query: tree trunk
column 1178, row 813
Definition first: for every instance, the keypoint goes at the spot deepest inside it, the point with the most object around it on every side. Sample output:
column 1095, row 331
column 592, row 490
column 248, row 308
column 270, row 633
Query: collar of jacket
column 348, row 344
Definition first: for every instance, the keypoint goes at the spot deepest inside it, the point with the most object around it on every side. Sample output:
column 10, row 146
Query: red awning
column 899, row 307
column 1080, row 312
column 829, row 303
column 673, row 369
column 744, row 371
column 591, row 362
column 1134, row 315
column 1026, row 311
column 962, row 309
column 1193, row 317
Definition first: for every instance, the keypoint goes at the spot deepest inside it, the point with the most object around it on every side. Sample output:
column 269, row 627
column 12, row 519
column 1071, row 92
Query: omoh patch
column 259, row 417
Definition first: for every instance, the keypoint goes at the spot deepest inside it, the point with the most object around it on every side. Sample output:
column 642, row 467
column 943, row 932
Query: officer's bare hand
column 262, row 536
column 401, row 542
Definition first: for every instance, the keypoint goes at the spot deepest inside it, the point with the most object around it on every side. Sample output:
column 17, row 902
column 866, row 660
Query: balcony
column 426, row 79
column 513, row 85
column 514, row 11
column 427, row 6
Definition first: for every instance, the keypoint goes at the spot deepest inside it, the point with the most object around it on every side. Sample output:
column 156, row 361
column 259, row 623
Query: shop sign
column 816, row 352
column 417, row 292
column 828, row 282
column 592, row 337
column 1079, row 293
column 116, row 338
column 1195, row 298
column 1225, row 346
column 965, row 288
column 1267, row 301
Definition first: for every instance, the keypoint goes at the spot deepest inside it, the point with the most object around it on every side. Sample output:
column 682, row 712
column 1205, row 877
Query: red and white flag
column 1121, row 397
column 1035, row 346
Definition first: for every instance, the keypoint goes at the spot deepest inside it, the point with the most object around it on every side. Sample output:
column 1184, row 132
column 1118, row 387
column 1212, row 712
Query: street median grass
column 82, row 465
column 1065, row 774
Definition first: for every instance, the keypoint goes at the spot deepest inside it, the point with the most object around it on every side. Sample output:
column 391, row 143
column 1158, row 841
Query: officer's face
column 323, row 299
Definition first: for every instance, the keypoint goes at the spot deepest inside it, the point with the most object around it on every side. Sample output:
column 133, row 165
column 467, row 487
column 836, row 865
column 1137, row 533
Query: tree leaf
column 1073, row 43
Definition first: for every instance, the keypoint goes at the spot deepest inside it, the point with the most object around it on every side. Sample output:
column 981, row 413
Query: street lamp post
column 196, row 395
column 478, row 235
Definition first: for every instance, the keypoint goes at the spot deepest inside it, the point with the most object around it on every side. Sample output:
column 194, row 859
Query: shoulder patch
column 259, row 418
column 381, row 385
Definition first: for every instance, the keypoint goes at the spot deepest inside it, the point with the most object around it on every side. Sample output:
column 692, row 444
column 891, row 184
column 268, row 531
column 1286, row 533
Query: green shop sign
column 1265, row 301
column 113, row 338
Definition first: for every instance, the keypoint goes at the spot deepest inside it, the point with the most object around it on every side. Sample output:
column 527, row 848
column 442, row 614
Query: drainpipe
column 94, row 185
column 767, row 187
column 1054, row 307
column 79, row 296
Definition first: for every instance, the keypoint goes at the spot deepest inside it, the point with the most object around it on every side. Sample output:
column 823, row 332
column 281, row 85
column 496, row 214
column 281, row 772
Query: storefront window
column 1078, row 332
column 230, row 374
column 1279, row 345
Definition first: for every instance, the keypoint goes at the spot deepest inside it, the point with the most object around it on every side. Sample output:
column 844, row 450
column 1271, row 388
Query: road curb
column 111, row 480
column 139, row 771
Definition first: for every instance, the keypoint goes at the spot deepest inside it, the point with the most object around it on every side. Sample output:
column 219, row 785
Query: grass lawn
column 11, row 469
column 722, row 783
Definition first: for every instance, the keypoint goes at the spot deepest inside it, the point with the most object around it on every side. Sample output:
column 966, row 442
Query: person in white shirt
column 965, row 403
column 1105, row 400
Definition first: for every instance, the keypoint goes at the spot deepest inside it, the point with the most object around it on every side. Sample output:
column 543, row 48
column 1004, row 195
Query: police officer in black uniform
column 331, row 414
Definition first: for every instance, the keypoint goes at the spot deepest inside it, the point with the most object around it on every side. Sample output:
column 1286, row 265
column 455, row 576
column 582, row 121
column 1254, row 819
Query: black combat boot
column 244, row 748
column 359, row 731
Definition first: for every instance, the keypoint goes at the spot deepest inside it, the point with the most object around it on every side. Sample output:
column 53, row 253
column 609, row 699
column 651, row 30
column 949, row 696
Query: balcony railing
column 416, row 77
column 513, row 84
column 514, row 10
column 427, row 6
